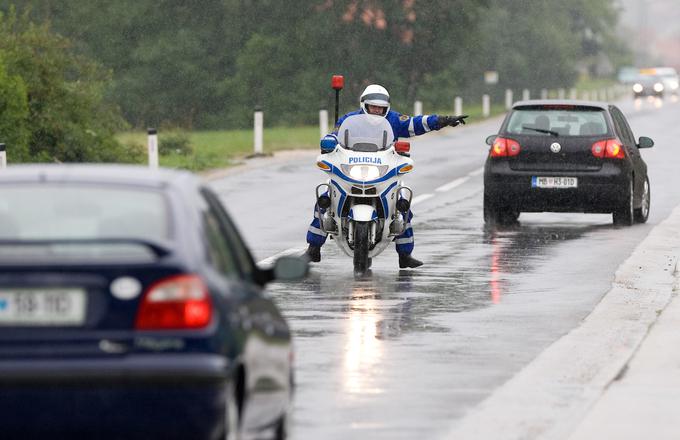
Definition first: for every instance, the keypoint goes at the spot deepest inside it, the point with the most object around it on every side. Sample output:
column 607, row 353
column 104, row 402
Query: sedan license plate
column 554, row 182
column 42, row 307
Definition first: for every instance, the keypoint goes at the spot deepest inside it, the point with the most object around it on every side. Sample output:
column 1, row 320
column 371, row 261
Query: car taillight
column 176, row 302
column 609, row 148
column 504, row 147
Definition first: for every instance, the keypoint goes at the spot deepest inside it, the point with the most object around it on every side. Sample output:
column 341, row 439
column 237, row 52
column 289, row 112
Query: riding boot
column 314, row 253
column 406, row 260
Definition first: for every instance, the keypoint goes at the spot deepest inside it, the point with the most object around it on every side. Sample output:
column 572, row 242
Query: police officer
column 375, row 100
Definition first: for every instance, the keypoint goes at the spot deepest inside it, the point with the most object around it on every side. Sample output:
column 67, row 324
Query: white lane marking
column 421, row 198
column 270, row 260
column 452, row 184
column 476, row 172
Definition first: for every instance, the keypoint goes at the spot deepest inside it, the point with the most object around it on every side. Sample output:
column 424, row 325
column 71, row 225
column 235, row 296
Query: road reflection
column 363, row 349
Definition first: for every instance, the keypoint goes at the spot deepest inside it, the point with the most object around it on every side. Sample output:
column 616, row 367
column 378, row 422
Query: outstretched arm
column 451, row 121
column 410, row 126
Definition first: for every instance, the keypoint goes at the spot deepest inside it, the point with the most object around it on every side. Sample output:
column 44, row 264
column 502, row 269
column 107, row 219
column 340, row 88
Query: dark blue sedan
column 130, row 307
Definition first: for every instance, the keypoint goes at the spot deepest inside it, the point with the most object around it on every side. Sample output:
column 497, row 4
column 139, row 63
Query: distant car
column 565, row 156
column 669, row 77
column 130, row 307
column 648, row 85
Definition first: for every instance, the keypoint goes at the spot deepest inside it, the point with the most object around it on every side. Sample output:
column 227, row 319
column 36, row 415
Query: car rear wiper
column 159, row 249
column 540, row 130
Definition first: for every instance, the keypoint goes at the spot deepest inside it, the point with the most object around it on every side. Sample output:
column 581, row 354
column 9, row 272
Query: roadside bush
column 175, row 143
column 70, row 121
column 14, row 131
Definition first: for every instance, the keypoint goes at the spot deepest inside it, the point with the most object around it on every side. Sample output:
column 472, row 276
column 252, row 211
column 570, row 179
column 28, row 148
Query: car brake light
column 176, row 302
column 503, row 147
column 609, row 148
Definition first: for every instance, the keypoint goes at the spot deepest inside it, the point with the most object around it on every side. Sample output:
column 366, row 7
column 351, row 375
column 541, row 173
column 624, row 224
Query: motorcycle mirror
column 338, row 82
column 402, row 147
column 490, row 139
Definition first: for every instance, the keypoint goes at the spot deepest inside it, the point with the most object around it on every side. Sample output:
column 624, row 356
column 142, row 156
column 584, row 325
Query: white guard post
column 152, row 143
column 526, row 95
column 508, row 99
column 323, row 122
column 544, row 93
column 3, row 157
column 561, row 93
column 417, row 108
column 259, row 131
column 458, row 106
column 486, row 106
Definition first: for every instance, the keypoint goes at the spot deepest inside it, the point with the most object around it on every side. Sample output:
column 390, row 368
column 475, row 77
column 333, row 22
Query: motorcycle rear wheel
column 361, row 230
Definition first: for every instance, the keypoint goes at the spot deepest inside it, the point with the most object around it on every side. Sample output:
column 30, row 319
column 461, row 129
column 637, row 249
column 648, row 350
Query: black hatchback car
column 130, row 307
column 565, row 156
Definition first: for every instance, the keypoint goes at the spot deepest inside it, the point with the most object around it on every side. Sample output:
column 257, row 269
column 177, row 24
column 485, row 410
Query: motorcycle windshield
column 366, row 133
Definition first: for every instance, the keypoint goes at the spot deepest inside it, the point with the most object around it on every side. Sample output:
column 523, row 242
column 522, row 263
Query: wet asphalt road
column 403, row 353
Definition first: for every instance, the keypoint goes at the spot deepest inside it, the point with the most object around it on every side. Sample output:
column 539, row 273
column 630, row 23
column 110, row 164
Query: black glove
column 451, row 120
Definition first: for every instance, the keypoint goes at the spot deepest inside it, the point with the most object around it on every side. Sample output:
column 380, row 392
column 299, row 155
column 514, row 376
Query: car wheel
column 623, row 215
column 231, row 413
column 491, row 215
column 281, row 432
column 642, row 213
column 497, row 215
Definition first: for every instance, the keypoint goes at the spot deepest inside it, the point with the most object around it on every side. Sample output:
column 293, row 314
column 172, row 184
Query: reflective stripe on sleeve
column 425, row 126
column 411, row 130
column 316, row 231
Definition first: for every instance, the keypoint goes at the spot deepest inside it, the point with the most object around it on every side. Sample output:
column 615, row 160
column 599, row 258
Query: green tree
column 69, row 120
column 14, row 130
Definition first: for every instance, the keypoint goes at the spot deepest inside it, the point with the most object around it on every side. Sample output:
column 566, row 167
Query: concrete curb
column 552, row 395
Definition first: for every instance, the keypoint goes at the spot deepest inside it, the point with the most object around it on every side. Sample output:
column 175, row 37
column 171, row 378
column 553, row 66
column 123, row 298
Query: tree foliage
column 208, row 64
column 56, row 98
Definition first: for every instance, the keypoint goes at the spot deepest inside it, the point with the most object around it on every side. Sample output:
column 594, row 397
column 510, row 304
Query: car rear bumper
column 597, row 191
column 155, row 396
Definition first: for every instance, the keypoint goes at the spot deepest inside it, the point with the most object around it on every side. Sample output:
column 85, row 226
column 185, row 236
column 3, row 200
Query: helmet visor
column 376, row 99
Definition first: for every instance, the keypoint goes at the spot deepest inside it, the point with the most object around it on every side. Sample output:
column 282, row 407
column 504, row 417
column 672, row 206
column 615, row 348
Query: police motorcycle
column 364, row 204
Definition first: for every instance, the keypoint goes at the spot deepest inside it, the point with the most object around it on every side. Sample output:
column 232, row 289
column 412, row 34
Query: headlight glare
column 364, row 172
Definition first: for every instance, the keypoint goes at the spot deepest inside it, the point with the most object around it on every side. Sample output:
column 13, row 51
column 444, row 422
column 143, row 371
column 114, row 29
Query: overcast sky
column 657, row 25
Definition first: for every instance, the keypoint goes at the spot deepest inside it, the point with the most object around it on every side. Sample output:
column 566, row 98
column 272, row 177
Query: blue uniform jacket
column 402, row 125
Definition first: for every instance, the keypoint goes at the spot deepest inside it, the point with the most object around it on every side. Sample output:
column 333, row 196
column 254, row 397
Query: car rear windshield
column 564, row 120
column 79, row 212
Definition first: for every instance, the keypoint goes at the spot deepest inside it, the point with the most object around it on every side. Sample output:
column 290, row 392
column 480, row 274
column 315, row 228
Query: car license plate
column 42, row 307
column 554, row 182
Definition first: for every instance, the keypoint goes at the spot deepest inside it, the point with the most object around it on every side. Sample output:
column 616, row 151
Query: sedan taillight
column 504, row 147
column 176, row 302
column 608, row 148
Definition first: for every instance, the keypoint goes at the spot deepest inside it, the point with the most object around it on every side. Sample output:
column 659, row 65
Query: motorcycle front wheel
column 361, row 230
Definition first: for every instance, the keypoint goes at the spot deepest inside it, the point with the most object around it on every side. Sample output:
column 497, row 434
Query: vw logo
column 555, row 147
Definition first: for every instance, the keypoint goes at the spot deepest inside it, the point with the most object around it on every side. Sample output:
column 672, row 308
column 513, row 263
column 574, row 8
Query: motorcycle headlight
column 364, row 172
column 637, row 88
column 658, row 87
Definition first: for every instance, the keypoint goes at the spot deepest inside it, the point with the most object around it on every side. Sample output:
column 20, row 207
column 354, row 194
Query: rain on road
column 403, row 353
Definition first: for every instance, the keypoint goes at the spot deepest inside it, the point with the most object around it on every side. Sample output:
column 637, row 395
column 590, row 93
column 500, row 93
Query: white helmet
column 375, row 95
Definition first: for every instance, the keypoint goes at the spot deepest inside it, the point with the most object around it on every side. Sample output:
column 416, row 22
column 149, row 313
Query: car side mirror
column 645, row 142
column 285, row 268
column 490, row 139
column 290, row 268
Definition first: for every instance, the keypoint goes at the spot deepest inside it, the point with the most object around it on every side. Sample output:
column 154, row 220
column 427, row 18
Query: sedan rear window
column 77, row 212
column 558, row 120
